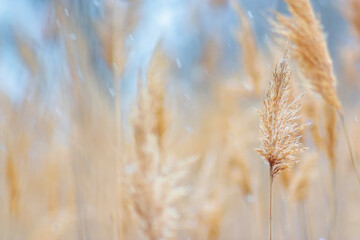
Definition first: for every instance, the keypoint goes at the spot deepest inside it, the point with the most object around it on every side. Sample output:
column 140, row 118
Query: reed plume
column 146, row 159
column 280, row 129
column 156, row 90
column 330, row 122
column 13, row 183
column 311, row 111
column 212, row 215
column 301, row 182
column 279, row 126
column 143, row 181
column 155, row 182
column 286, row 178
column 331, row 134
column 310, row 50
column 241, row 174
column 353, row 15
column 250, row 53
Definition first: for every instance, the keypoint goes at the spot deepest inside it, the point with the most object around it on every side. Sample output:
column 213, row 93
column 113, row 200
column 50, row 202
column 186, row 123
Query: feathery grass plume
column 155, row 182
column 13, row 183
column 301, row 182
column 349, row 59
column 230, row 130
column 295, row 91
column 150, row 116
column 155, row 195
column 286, row 178
column 210, row 216
column 350, row 54
column 312, row 112
column 279, row 126
column 309, row 48
column 331, row 134
column 214, row 218
column 156, row 85
column 18, row 143
column 240, row 174
column 280, row 129
column 353, row 15
column 250, row 53
column 310, row 51
column 155, row 191
column 141, row 181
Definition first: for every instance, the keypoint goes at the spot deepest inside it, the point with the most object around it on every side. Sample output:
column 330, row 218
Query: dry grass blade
column 353, row 15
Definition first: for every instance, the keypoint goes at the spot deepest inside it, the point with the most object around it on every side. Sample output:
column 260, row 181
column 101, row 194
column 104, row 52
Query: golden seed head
column 280, row 127
column 309, row 48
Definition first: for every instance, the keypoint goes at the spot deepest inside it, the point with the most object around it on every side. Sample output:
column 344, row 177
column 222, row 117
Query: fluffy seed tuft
column 280, row 127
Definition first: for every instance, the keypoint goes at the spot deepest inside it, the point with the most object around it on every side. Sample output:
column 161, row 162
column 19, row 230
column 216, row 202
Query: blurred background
column 72, row 110
column 122, row 36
